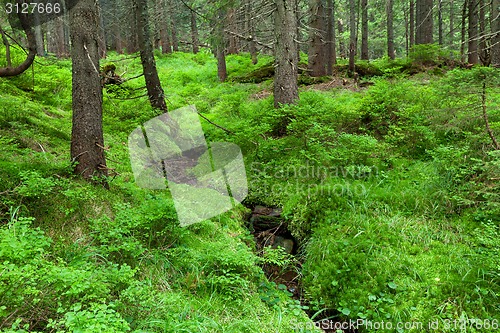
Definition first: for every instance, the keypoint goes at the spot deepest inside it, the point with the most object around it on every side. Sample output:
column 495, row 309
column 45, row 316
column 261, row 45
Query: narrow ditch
column 270, row 229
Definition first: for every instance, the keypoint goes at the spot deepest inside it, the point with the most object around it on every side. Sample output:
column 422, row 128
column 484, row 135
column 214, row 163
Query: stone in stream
column 285, row 243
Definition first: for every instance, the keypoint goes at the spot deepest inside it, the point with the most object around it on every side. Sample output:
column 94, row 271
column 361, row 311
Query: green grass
column 390, row 191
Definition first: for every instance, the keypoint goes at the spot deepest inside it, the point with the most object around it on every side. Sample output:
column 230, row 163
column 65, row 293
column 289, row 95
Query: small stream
column 269, row 228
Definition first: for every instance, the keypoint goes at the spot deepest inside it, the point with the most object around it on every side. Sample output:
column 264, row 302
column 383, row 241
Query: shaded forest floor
column 391, row 193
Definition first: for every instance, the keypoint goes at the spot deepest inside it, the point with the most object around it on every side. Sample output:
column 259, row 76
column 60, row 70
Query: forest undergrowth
column 392, row 192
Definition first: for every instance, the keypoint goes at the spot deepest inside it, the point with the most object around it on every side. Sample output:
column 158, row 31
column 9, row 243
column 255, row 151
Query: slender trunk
column 155, row 91
column 342, row 49
column 352, row 34
column 331, row 54
column 173, row 27
column 364, row 30
column 452, row 27
column 285, row 78
column 412, row 23
column 483, row 51
column 250, row 21
column 232, row 26
column 472, row 54
column 5, row 41
column 463, row 31
column 495, row 30
column 390, row 31
column 219, row 42
column 407, row 34
column 194, row 32
column 440, row 22
column 221, row 63
column 40, row 47
column 102, row 33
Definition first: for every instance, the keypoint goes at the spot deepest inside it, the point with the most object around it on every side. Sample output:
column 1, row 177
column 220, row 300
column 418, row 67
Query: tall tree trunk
column 155, row 91
column 440, row 22
column 102, row 33
column 331, row 54
column 285, row 79
column 250, row 21
column 352, row 34
column 87, row 142
column 495, row 30
column 390, row 31
column 483, row 52
column 424, row 22
column 194, row 32
column 472, row 54
column 317, row 52
column 463, row 31
column 364, row 30
column 412, row 23
column 173, row 27
column 452, row 22
column 233, row 47
column 342, row 49
column 219, row 44
column 40, row 47
column 163, row 23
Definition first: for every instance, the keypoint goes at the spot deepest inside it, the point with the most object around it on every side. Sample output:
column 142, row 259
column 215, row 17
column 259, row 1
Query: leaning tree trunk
column 155, row 91
column 285, row 78
column 87, row 143
column 27, row 26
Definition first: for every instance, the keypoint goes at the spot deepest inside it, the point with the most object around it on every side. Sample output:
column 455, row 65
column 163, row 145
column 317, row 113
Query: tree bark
column 483, row 49
column 233, row 47
column 317, row 50
column 412, row 23
column 87, row 140
column 472, row 32
column 452, row 26
column 390, row 30
column 194, row 32
column 424, row 22
column 440, row 22
column 40, row 46
column 463, row 31
column 285, row 79
column 352, row 34
column 331, row 54
column 495, row 30
column 342, row 49
column 155, row 91
column 173, row 28
column 364, row 30
column 221, row 63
